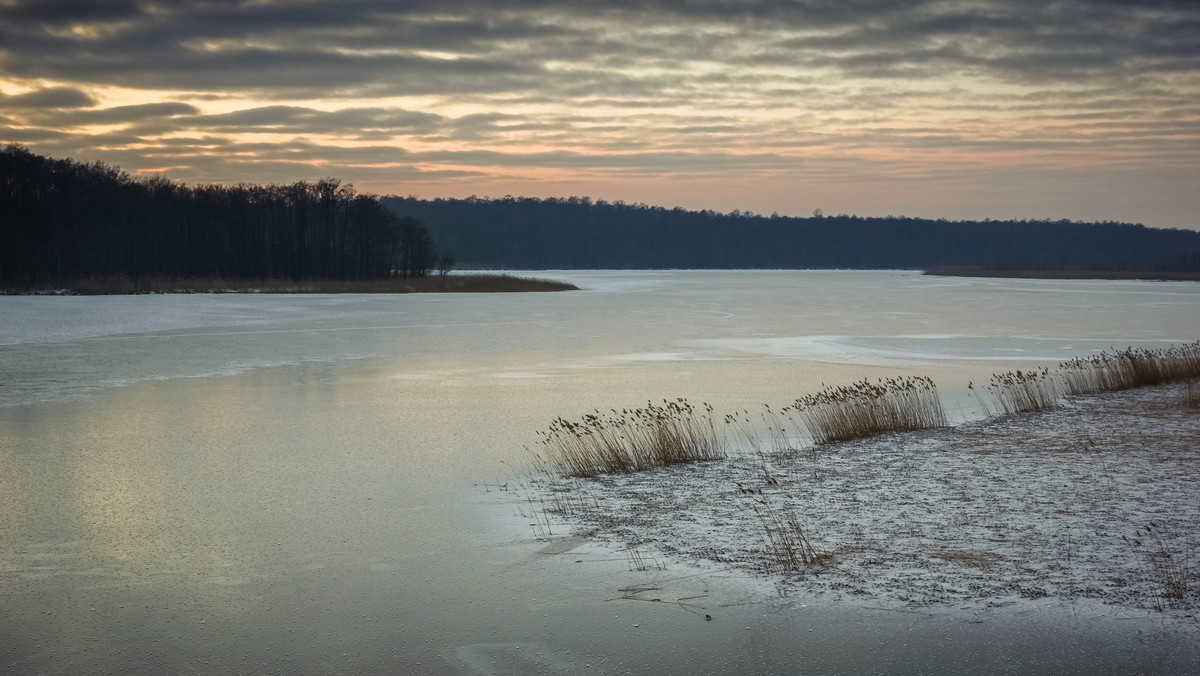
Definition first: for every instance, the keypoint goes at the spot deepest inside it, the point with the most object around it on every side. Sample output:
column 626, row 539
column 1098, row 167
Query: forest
column 576, row 232
column 65, row 220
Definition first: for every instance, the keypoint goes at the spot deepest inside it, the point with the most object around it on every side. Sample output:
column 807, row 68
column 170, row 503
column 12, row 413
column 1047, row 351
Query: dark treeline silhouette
column 62, row 220
column 529, row 233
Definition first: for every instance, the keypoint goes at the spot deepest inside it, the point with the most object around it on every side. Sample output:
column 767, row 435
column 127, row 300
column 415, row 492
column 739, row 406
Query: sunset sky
column 1087, row 110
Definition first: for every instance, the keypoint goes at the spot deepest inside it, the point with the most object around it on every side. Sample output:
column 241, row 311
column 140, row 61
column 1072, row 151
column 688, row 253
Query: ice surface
column 324, row 484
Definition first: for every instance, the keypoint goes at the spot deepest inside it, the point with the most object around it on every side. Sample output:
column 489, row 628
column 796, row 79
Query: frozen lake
column 307, row 484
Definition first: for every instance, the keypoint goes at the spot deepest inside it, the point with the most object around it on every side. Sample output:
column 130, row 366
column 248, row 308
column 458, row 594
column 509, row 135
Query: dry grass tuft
column 631, row 440
column 1130, row 368
column 1020, row 391
column 865, row 409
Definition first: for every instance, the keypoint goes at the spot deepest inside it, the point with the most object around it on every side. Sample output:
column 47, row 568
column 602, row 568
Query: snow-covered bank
column 1031, row 509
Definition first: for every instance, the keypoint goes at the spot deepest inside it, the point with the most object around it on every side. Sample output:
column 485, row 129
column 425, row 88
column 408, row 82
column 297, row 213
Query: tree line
column 531, row 233
column 63, row 220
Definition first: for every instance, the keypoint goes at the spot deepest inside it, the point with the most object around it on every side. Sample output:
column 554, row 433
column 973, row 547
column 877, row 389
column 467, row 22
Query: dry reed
column 865, row 409
column 1020, row 391
column 1170, row 571
column 675, row 432
column 786, row 540
column 631, row 440
column 1130, row 368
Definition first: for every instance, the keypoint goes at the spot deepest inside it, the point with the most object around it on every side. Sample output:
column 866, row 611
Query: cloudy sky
column 1087, row 110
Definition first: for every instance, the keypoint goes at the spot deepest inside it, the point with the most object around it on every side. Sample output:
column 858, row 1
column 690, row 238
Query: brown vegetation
column 464, row 283
column 1020, row 391
column 657, row 435
column 674, row 433
column 1130, row 368
column 865, row 409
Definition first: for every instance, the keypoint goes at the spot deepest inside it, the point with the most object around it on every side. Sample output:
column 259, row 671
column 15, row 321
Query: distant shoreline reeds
column 457, row 283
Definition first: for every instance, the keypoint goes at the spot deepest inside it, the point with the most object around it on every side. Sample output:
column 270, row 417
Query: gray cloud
column 296, row 119
column 49, row 97
column 44, row 138
column 56, row 13
column 313, row 48
column 613, row 87
column 123, row 114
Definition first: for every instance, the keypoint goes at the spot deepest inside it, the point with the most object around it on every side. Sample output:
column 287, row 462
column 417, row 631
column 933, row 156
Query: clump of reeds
column 631, row 440
column 868, row 408
column 1020, row 391
column 1130, row 368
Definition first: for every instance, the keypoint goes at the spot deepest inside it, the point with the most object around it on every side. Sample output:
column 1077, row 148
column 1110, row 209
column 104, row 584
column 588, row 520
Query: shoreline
column 462, row 283
column 1020, row 273
column 1045, row 509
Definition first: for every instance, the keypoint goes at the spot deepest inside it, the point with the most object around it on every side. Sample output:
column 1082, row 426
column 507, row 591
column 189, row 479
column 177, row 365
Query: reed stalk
column 1130, row 368
column 785, row 537
column 1169, row 568
column 631, row 440
column 868, row 408
column 1021, row 391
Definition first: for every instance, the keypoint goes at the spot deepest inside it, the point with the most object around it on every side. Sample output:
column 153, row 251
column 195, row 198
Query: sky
column 965, row 109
